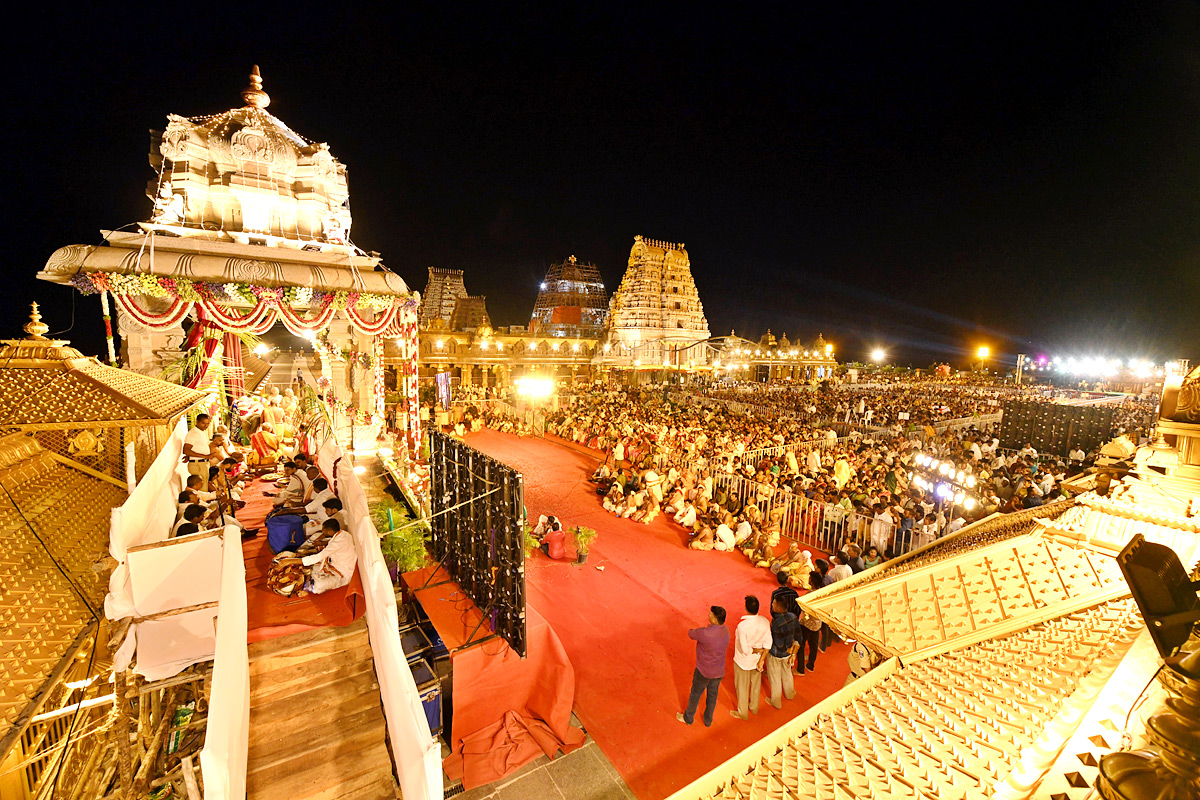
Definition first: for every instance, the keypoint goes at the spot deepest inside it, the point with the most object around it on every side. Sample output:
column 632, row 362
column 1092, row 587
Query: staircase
column 316, row 725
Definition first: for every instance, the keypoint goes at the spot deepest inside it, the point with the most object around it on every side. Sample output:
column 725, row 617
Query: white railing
column 823, row 526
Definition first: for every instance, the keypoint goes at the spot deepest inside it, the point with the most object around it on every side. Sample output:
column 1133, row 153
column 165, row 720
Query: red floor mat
column 268, row 615
column 625, row 626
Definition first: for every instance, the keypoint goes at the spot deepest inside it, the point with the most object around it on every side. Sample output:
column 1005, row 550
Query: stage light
column 969, row 503
column 984, row 352
column 877, row 355
column 959, row 497
column 958, row 476
column 439, row 344
column 261, row 349
column 828, row 349
column 535, row 387
column 943, row 490
column 970, row 481
column 944, row 468
column 543, row 286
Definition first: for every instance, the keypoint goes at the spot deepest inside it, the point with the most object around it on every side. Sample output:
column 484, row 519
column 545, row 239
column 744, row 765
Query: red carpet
column 625, row 626
column 508, row 710
column 268, row 615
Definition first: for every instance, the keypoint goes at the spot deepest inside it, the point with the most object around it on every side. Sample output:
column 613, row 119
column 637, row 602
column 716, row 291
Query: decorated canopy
column 250, row 226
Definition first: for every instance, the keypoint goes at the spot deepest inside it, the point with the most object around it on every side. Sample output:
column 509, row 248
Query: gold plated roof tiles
column 48, row 513
column 972, row 595
column 45, row 383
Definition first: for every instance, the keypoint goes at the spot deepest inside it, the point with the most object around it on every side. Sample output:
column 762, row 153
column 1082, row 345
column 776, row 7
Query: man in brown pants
column 750, row 641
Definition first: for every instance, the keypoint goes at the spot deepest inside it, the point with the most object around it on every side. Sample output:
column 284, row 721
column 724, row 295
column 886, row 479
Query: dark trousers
column 808, row 642
column 700, row 685
column 827, row 636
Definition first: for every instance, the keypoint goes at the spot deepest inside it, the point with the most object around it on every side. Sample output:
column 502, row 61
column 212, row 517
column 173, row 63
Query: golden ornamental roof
column 47, row 383
column 54, row 523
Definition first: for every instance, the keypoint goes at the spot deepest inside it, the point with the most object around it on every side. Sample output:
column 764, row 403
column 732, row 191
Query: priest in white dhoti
column 334, row 566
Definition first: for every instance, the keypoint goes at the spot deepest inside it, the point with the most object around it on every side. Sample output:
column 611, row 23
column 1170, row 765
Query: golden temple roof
column 54, row 523
column 46, row 383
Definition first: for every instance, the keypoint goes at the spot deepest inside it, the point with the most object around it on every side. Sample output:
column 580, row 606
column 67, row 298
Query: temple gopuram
column 250, row 227
column 655, row 317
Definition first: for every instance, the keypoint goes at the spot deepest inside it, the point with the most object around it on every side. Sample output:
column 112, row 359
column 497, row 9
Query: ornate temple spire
column 35, row 327
column 254, row 94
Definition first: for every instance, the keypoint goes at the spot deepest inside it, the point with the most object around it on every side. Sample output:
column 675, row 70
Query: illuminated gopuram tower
column 655, row 317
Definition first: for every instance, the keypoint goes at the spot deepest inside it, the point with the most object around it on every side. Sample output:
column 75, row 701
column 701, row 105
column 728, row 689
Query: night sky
column 922, row 178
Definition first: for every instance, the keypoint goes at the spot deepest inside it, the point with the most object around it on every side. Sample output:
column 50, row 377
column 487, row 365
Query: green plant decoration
column 584, row 538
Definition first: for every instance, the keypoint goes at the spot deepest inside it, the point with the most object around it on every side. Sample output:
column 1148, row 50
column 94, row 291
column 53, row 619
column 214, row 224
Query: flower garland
column 266, row 302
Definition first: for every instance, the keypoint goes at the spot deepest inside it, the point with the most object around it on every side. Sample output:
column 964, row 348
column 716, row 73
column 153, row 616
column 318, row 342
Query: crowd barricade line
column 820, row 525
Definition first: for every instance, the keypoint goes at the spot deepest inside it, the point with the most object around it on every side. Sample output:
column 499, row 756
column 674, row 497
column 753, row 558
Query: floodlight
column 261, row 349
column 535, row 387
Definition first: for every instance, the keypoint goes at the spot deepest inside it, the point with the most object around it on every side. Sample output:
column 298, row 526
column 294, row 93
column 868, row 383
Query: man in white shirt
column 814, row 461
column 334, row 566
column 292, row 494
column 321, row 493
column 881, row 528
column 724, row 539
column 687, row 517
column 838, row 572
column 751, row 639
column 1027, row 452
column 196, row 450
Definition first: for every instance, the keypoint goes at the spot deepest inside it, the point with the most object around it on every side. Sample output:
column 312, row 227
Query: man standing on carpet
column 711, row 643
column 778, row 660
column 751, row 639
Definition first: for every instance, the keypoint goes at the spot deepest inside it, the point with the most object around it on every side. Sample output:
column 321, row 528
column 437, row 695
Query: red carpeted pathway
column 623, row 620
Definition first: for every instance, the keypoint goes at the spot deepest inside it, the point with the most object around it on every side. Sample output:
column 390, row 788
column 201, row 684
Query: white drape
column 416, row 753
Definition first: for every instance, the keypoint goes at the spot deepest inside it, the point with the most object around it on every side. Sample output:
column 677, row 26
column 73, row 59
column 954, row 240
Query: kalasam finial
column 35, row 327
column 254, row 94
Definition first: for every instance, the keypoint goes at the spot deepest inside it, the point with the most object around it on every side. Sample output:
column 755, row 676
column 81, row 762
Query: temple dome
column 244, row 171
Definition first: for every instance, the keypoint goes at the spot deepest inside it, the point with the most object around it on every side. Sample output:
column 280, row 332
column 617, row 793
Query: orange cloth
column 507, row 710
column 266, row 448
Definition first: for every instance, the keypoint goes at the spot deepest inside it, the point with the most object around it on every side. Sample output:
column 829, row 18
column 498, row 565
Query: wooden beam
column 88, row 470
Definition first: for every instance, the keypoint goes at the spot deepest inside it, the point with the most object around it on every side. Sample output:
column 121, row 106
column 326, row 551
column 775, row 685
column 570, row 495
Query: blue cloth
column 784, row 633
